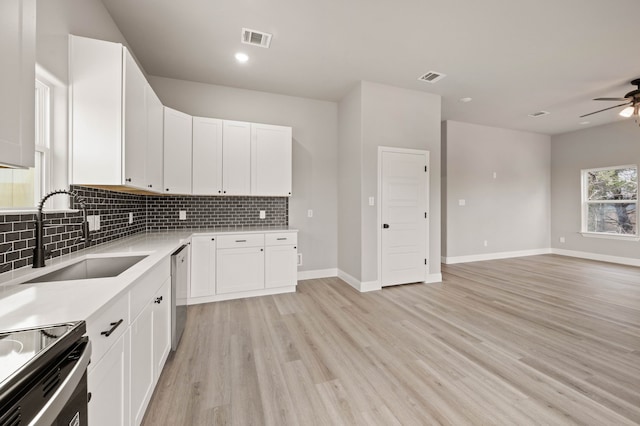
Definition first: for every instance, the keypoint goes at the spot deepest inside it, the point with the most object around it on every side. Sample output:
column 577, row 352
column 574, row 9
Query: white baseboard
column 596, row 256
column 433, row 278
column 317, row 273
column 494, row 256
column 241, row 295
column 357, row 284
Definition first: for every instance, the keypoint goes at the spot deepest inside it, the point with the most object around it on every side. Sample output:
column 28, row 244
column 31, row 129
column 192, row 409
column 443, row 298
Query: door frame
column 426, row 153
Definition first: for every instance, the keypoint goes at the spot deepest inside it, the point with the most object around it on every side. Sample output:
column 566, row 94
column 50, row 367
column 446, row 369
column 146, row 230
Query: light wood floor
column 546, row 340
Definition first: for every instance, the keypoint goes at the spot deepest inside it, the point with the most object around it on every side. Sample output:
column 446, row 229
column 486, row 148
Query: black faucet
column 39, row 253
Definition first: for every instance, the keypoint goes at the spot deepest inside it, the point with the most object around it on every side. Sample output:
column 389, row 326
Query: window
column 23, row 188
column 610, row 201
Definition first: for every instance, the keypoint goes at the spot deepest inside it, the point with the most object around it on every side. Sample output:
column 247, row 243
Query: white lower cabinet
column 231, row 266
column 161, row 328
column 128, row 356
column 142, row 366
column 108, row 383
column 239, row 269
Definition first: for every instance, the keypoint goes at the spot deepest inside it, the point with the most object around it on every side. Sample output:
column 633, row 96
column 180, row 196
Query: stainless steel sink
column 93, row 267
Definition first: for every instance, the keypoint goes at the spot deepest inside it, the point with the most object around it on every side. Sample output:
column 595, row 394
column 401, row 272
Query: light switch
column 372, row 201
column 462, row 202
column 309, row 213
column 263, row 214
column 182, row 215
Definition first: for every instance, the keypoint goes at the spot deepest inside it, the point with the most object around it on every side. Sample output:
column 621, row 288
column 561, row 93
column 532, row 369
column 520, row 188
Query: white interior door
column 404, row 186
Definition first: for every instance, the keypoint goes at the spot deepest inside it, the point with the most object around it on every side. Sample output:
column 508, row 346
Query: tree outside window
column 610, row 200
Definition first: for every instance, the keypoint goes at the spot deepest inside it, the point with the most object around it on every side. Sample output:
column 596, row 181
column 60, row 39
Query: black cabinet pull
column 241, row 241
column 261, row 249
column 89, row 397
column 281, row 239
column 295, row 247
column 128, row 179
column 213, row 239
column 158, row 300
column 167, row 189
column 150, row 186
column 385, row 225
column 113, row 325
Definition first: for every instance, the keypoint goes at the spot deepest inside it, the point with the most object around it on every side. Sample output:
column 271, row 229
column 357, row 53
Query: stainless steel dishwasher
column 179, row 287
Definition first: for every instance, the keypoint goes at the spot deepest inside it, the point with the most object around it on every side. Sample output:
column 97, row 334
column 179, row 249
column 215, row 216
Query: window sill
column 610, row 236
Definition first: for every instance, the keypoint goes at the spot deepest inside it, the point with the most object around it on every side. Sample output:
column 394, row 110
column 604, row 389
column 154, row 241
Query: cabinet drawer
column 240, row 240
column 107, row 326
column 281, row 239
column 146, row 286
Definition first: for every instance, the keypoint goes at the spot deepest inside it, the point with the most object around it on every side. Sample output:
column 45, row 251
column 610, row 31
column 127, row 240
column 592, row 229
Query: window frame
column 585, row 202
column 42, row 179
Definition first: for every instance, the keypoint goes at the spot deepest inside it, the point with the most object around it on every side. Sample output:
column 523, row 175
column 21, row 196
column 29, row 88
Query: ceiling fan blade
column 595, row 112
column 611, row 99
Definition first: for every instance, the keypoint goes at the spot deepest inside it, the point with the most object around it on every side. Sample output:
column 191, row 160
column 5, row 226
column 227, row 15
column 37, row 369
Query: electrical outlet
column 182, row 215
column 462, row 202
column 486, row 243
column 309, row 213
column 495, row 175
column 263, row 214
column 299, row 259
column 94, row 222
column 562, row 239
column 372, row 201
column 130, row 218
column 96, row 219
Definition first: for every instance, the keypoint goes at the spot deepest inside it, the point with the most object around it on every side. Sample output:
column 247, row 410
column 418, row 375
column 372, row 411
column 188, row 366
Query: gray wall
column 405, row 119
column 349, row 189
column 613, row 144
column 512, row 211
column 374, row 115
column 315, row 132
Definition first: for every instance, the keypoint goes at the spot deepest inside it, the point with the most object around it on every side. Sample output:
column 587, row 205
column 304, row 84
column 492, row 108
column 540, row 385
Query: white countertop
column 38, row 304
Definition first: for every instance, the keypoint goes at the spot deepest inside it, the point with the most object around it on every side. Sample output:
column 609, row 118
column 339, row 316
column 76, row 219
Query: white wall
column 315, row 161
column 613, row 144
column 512, row 211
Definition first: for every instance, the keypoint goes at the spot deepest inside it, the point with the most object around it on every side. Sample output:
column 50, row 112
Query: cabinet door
column 135, row 123
column 207, row 156
column 155, row 158
column 142, row 366
column 17, row 82
column 203, row 266
column 270, row 160
column 280, row 266
column 177, row 152
column 236, row 158
column 108, row 384
column 161, row 328
column 95, row 73
column 239, row 269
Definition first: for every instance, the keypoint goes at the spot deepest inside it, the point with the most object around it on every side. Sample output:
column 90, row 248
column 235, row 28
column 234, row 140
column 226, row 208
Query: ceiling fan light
column 627, row 112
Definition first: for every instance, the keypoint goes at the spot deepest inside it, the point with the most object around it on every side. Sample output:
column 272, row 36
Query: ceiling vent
column 539, row 113
column 256, row 38
column 432, row 76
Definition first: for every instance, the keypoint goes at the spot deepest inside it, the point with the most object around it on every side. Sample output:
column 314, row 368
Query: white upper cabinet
column 177, row 152
column 17, row 82
column 155, row 141
column 207, row 156
column 236, row 158
column 116, row 119
column 270, row 160
column 135, row 123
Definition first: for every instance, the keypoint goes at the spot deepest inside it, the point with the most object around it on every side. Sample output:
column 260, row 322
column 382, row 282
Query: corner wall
column 510, row 211
column 614, row 144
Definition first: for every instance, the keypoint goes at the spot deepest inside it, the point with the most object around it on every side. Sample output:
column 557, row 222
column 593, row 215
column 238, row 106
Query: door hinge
column 426, row 215
column 425, row 169
column 425, row 261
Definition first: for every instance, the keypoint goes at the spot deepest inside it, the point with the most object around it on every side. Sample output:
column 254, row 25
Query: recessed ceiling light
column 242, row 57
column 466, row 100
column 584, row 122
column 539, row 113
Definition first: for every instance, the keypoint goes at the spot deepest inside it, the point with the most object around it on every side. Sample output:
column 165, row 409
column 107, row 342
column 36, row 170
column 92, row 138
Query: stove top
column 19, row 349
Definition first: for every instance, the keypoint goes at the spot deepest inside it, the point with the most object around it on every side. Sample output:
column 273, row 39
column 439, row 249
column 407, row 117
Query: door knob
column 385, row 225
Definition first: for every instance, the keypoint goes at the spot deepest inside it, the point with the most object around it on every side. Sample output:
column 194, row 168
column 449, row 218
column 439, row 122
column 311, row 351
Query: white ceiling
column 513, row 57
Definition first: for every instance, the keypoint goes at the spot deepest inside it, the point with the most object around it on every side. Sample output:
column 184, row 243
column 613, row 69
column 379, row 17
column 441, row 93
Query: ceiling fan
column 632, row 102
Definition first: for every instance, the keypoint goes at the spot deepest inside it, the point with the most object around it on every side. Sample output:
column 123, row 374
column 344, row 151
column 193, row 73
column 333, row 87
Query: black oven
column 43, row 375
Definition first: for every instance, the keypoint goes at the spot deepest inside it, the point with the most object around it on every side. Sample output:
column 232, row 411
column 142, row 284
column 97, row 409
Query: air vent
column 539, row 113
column 432, row 77
column 256, row 38
column 12, row 418
column 51, row 382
